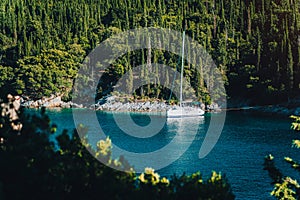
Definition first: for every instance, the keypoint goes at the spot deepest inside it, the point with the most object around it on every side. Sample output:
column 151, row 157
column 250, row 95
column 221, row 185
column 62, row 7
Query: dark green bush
column 32, row 168
column 284, row 186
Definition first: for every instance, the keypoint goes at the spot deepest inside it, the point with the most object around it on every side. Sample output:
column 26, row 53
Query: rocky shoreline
column 48, row 102
column 134, row 107
column 292, row 107
column 111, row 103
column 277, row 110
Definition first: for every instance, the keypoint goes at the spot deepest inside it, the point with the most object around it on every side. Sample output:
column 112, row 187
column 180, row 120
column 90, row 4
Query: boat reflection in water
column 184, row 131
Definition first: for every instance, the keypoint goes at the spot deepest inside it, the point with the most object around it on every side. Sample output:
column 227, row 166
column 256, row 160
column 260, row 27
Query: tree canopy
column 255, row 44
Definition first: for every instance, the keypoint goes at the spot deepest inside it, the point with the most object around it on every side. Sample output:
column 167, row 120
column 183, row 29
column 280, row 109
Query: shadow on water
column 239, row 153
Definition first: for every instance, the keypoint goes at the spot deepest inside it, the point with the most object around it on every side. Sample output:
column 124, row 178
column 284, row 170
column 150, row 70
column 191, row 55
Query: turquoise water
column 239, row 153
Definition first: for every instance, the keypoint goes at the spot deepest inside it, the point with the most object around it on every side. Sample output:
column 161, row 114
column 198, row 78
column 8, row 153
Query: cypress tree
column 290, row 64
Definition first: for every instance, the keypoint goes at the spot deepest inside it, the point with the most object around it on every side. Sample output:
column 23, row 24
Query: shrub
column 284, row 186
column 33, row 167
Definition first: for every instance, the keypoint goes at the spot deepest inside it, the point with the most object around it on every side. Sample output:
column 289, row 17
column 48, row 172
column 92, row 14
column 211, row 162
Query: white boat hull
column 184, row 112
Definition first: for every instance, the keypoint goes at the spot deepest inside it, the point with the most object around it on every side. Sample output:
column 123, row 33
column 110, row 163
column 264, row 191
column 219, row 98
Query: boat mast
column 181, row 72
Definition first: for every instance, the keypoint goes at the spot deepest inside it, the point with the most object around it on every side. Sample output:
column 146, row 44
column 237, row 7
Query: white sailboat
column 181, row 110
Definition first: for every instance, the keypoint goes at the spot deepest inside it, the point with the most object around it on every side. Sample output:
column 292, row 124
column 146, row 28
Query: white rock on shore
column 135, row 106
column 51, row 102
column 108, row 103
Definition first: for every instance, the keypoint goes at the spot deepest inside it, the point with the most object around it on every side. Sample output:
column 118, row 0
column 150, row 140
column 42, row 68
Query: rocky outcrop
column 135, row 106
column 49, row 102
column 292, row 107
column 109, row 103
column 278, row 109
column 112, row 103
column 289, row 108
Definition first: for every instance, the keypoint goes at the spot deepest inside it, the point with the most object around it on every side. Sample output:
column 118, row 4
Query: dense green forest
column 255, row 44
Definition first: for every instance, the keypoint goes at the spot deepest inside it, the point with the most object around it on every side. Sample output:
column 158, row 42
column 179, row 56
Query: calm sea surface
column 239, row 153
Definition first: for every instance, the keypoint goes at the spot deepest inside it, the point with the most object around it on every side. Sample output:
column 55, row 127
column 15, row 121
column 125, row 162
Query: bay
column 239, row 153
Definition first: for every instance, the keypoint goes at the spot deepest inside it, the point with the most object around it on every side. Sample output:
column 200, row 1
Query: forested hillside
column 256, row 44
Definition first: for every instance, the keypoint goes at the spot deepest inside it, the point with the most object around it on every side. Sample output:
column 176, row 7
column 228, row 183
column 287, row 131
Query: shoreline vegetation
column 113, row 103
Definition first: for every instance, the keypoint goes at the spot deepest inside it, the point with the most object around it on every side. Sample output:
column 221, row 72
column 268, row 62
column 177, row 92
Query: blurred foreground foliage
column 31, row 167
column 285, row 187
